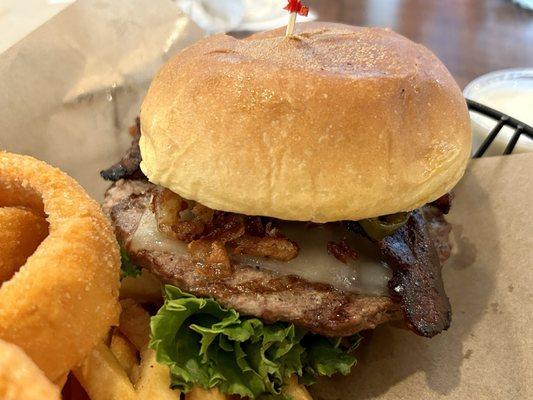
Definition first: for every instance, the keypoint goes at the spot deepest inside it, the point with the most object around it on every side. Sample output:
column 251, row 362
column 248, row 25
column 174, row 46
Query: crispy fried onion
column 274, row 247
column 178, row 218
column 213, row 253
column 342, row 251
column 212, row 234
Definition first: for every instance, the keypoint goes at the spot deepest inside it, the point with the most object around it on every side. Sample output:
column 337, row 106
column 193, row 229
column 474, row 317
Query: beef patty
column 254, row 291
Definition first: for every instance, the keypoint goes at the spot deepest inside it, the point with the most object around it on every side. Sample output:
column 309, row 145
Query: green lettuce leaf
column 206, row 345
column 128, row 268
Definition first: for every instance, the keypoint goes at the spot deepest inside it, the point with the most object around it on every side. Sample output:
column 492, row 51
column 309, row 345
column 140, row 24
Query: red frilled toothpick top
column 296, row 6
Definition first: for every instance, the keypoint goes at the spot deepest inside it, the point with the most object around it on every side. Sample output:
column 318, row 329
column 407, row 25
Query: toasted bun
column 338, row 122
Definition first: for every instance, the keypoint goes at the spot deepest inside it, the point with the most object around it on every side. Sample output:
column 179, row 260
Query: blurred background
column 472, row 37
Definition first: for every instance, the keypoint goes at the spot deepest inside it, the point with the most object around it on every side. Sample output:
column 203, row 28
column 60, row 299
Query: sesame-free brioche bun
column 335, row 123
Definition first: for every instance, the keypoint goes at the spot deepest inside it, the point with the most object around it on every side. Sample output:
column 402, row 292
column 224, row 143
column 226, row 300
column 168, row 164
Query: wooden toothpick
column 295, row 7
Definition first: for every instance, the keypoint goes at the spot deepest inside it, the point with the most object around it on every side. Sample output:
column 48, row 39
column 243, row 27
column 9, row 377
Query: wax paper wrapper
column 69, row 91
column 488, row 351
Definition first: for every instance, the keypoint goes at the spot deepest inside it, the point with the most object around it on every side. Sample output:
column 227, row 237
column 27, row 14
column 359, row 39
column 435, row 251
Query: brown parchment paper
column 488, row 351
column 70, row 89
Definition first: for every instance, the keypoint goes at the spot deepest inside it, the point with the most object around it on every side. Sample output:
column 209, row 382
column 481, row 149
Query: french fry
column 102, row 376
column 296, row 391
column 135, row 323
column 125, row 353
column 154, row 379
column 197, row 393
column 108, row 372
column 146, row 288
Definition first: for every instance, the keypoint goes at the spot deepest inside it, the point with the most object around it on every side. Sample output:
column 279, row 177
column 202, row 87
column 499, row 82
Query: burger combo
column 289, row 193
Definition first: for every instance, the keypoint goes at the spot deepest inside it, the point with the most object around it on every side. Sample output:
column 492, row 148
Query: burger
column 289, row 192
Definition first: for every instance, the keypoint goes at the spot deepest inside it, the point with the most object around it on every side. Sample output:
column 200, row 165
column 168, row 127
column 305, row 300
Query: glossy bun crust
column 335, row 123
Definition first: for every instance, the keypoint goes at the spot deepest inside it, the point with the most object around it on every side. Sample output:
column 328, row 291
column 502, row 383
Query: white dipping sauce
column 508, row 91
column 367, row 275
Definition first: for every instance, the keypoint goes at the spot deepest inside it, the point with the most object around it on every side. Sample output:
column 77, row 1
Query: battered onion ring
column 22, row 230
column 63, row 300
column 20, row 378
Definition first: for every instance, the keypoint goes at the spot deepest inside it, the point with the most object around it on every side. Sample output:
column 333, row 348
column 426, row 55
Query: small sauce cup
column 509, row 91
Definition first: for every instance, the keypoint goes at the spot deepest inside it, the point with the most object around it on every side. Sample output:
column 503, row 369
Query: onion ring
column 16, row 245
column 63, row 300
column 20, row 378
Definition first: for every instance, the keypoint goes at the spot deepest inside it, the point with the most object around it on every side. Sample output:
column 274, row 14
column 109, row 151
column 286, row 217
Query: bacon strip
column 443, row 203
column 417, row 282
column 341, row 251
column 128, row 166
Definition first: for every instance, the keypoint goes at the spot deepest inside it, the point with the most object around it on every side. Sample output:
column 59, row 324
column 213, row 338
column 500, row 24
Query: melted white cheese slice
column 367, row 275
column 148, row 237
